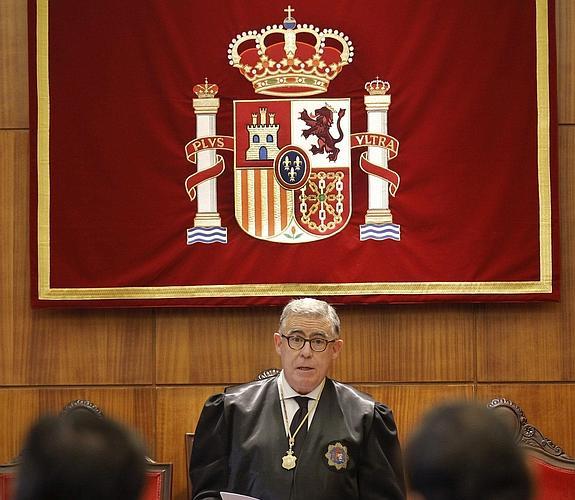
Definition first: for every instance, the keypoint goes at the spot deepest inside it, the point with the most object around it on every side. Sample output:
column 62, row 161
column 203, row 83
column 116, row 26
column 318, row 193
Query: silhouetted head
column 463, row 451
column 80, row 456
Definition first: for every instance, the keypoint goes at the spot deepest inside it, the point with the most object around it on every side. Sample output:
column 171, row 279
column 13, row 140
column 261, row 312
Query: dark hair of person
column 80, row 457
column 463, row 451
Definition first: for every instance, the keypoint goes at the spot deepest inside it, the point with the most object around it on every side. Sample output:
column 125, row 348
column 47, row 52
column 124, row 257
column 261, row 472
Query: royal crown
column 290, row 59
column 206, row 90
column 377, row 87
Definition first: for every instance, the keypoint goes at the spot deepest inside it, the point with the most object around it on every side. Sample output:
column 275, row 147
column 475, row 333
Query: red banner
column 245, row 153
column 385, row 142
column 212, row 171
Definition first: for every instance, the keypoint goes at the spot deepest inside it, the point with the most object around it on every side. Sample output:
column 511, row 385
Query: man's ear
column 278, row 342
column 337, row 345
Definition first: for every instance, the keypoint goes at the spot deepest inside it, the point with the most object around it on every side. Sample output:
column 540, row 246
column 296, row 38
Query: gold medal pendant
column 288, row 460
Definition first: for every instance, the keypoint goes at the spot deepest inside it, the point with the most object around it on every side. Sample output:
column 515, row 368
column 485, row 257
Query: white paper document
column 234, row 496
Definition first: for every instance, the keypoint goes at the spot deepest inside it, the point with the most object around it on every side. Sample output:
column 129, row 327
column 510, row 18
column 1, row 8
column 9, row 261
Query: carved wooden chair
column 158, row 481
column 82, row 405
column 553, row 470
column 270, row 372
column 159, row 476
column 158, row 485
column 7, row 480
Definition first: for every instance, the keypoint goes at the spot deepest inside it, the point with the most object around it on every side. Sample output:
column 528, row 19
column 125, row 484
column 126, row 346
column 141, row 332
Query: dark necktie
column 296, row 420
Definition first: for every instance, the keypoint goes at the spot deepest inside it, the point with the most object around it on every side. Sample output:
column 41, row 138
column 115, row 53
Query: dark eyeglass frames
column 297, row 343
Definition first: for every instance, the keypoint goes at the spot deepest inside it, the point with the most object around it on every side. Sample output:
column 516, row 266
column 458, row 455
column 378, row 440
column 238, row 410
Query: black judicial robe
column 240, row 441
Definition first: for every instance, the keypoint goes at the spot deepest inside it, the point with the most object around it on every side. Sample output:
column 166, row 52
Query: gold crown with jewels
column 377, row 87
column 206, row 90
column 290, row 59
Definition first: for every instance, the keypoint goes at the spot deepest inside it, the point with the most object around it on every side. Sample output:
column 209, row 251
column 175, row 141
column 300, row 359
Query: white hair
column 311, row 307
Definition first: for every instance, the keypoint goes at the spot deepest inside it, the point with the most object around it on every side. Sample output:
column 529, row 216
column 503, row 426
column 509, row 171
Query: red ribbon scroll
column 369, row 139
column 203, row 144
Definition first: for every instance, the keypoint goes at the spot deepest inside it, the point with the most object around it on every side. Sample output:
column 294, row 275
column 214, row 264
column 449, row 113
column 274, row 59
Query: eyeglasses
column 297, row 343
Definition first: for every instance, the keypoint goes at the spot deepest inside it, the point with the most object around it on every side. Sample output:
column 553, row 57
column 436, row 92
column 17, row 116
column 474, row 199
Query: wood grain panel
column 523, row 342
column 550, row 407
column 13, row 155
column 178, row 410
column 214, row 346
column 84, row 347
column 211, row 346
column 410, row 402
column 533, row 342
column 407, row 343
column 13, row 64
column 567, row 223
column 19, row 408
column 133, row 406
column 565, row 22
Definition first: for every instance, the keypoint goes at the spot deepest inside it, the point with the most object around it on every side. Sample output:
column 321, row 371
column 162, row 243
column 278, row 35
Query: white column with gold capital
column 206, row 108
column 378, row 218
column 207, row 222
column 377, row 104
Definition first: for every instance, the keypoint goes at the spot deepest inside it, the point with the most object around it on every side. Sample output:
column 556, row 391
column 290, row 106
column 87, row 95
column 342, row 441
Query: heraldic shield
column 292, row 168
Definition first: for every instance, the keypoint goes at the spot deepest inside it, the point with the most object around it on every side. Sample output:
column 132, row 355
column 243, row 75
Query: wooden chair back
column 553, row 470
column 158, row 484
column 8, row 480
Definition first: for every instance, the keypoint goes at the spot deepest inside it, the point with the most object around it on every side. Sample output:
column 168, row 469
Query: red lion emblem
column 319, row 124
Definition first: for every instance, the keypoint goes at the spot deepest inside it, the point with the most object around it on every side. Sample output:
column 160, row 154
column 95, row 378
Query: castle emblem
column 263, row 136
column 292, row 152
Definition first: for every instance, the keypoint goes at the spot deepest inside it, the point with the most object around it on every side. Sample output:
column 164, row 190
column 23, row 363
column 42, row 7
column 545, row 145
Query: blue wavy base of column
column 215, row 234
column 388, row 231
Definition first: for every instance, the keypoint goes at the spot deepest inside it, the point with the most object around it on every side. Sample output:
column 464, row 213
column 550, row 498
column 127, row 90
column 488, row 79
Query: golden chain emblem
column 324, row 203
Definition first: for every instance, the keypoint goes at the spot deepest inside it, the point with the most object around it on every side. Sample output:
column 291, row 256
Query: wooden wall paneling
column 522, row 342
column 565, row 22
column 21, row 246
column 533, row 342
column 231, row 345
column 567, row 228
column 550, row 407
column 19, row 408
column 410, row 402
column 13, row 64
column 178, row 410
column 214, row 346
column 85, row 347
column 13, row 145
column 134, row 407
column 411, row 343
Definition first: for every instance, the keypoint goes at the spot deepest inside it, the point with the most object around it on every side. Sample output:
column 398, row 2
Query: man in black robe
column 265, row 440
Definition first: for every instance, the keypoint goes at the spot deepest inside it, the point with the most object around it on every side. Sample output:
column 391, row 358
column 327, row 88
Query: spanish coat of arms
column 292, row 151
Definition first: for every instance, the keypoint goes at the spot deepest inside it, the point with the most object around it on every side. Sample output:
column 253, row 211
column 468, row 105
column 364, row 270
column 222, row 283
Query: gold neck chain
column 289, row 459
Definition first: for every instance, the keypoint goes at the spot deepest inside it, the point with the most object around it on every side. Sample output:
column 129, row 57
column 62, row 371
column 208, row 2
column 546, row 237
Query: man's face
column 305, row 369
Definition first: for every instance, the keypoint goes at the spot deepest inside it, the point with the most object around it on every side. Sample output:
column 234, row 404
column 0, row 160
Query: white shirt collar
column 289, row 393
